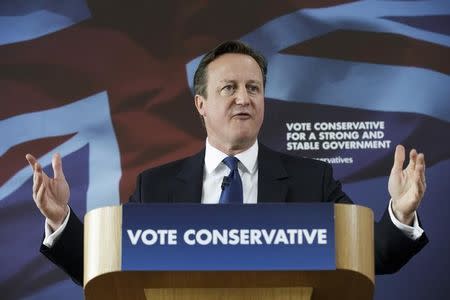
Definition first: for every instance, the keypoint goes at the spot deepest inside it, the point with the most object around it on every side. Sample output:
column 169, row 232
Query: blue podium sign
column 201, row 237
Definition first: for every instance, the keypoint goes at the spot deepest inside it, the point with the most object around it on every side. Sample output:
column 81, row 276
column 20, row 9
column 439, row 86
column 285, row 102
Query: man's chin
column 244, row 140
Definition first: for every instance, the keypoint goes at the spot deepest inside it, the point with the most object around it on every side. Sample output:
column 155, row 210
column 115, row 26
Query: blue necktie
column 232, row 184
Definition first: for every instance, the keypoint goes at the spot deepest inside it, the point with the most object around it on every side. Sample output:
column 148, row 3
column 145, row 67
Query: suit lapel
column 272, row 176
column 189, row 181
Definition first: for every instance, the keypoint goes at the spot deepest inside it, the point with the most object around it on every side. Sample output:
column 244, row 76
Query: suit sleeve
column 67, row 252
column 393, row 249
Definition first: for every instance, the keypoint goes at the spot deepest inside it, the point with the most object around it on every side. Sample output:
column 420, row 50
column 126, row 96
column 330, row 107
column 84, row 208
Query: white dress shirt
column 213, row 174
column 215, row 170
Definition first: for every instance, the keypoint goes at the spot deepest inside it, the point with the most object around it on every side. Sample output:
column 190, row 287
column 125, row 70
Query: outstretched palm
column 51, row 195
column 407, row 186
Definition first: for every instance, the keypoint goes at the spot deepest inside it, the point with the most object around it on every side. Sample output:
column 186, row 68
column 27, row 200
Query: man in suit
column 229, row 86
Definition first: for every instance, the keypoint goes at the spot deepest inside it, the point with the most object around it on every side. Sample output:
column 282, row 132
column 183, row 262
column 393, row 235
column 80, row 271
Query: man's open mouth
column 242, row 115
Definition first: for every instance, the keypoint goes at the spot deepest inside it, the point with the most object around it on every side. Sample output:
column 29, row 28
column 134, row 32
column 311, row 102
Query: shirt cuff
column 413, row 232
column 52, row 236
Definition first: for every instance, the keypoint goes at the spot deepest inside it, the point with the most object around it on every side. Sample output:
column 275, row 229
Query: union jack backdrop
column 108, row 84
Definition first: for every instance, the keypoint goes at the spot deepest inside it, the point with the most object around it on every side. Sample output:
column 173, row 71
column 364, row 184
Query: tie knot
column 231, row 162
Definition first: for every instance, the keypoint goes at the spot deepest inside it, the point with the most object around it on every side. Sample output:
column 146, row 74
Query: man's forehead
column 255, row 81
column 234, row 67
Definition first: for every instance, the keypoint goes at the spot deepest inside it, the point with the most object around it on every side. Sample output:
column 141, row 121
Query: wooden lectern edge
column 358, row 231
column 102, row 226
column 325, row 284
column 109, row 266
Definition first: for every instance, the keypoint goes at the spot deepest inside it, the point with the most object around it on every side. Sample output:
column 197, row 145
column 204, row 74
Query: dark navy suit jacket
column 281, row 178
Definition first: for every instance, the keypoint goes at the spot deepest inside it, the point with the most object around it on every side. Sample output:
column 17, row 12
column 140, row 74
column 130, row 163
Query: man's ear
column 200, row 105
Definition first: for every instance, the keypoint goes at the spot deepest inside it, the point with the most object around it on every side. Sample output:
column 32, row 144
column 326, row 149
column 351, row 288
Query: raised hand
column 407, row 186
column 51, row 195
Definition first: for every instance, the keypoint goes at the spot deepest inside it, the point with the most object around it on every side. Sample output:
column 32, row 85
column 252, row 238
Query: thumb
column 57, row 166
column 399, row 159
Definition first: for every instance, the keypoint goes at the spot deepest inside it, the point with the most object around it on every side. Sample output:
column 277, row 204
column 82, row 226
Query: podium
column 353, row 277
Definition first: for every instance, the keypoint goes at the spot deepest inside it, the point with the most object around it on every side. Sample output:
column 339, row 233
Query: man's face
column 234, row 108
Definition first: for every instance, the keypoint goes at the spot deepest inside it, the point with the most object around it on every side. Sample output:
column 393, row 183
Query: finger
column 39, row 171
column 420, row 167
column 37, row 182
column 39, row 195
column 421, row 186
column 419, row 174
column 399, row 158
column 37, row 175
column 412, row 160
column 420, row 160
column 38, row 168
column 31, row 160
column 57, row 166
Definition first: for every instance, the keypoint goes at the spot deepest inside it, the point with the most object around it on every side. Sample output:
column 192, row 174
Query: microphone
column 225, row 182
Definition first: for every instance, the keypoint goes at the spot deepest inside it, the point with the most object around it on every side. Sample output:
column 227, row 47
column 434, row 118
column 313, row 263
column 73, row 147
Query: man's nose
column 242, row 97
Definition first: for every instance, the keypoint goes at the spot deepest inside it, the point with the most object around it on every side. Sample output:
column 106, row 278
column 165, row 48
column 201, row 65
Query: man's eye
column 253, row 89
column 227, row 90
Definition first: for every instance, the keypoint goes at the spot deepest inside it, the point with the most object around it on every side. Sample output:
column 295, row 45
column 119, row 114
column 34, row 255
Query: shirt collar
column 213, row 158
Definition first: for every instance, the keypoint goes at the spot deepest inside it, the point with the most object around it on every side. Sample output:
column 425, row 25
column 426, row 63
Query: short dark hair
column 200, row 77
